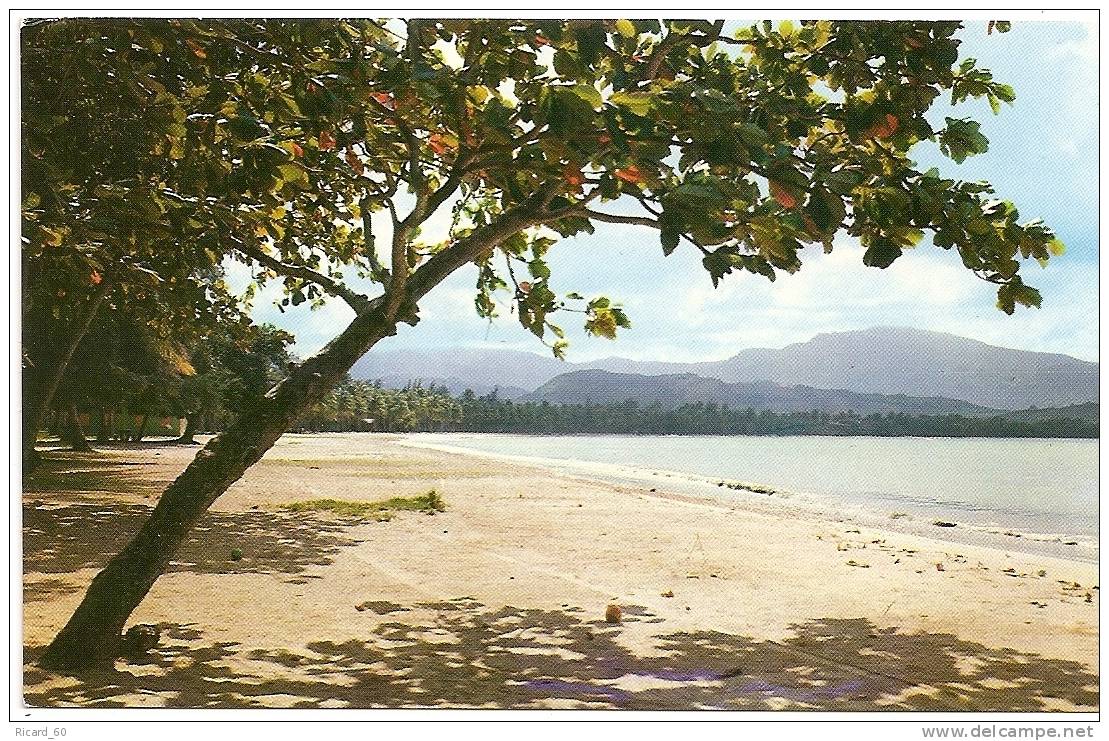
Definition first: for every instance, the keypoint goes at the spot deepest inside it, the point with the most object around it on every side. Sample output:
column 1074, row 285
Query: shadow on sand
column 94, row 473
column 85, row 528
column 466, row 654
column 66, row 538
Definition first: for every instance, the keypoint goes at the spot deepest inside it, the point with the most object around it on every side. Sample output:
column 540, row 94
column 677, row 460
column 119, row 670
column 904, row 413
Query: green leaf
column 247, row 128
column 589, row 94
column 826, row 210
column 539, row 269
column 961, row 139
column 1011, row 294
column 293, row 173
column 625, row 28
column 718, row 264
column 1004, row 92
column 881, row 253
column 670, row 238
column 638, row 103
column 591, row 39
column 753, row 134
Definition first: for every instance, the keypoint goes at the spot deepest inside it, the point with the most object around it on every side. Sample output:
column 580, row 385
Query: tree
column 747, row 145
column 235, row 364
column 114, row 186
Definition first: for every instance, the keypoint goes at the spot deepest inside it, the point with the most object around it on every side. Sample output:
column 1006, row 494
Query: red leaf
column 629, row 174
column 385, row 99
column 781, row 195
column 327, row 141
column 885, row 128
column 469, row 136
column 94, row 278
column 354, row 162
column 437, row 144
column 407, row 101
column 572, row 175
column 196, row 48
column 298, row 151
column 542, row 40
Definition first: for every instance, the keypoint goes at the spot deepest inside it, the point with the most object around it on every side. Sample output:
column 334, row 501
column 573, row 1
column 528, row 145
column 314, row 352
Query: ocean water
column 1045, row 487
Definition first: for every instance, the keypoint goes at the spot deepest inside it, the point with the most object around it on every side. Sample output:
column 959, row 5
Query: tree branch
column 376, row 268
column 469, row 248
column 621, row 219
column 355, row 300
column 671, row 42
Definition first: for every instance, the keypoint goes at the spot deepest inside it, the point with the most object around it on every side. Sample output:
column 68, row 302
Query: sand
column 500, row 600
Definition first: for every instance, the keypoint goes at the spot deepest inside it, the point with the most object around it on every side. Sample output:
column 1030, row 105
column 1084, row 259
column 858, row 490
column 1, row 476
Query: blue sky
column 1043, row 156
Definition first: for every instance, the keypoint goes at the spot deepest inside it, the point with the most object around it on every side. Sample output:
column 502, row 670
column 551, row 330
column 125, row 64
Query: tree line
column 490, row 414
column 127, row 382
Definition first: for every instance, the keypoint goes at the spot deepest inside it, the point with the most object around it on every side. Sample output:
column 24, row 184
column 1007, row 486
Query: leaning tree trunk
column 75, row 433
column 92, row 635
column 42, row 378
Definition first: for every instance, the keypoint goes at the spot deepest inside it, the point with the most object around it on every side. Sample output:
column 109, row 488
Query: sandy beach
column 500, row 600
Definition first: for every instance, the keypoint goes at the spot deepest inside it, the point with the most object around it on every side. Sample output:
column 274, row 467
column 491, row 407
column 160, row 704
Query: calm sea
column 1034, row 486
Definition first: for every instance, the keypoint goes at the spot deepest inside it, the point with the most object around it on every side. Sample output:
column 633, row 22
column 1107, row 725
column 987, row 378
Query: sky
column 1043, row 157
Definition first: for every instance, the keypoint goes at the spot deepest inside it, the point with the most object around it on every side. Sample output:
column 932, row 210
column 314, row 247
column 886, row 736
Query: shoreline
column 759, row 495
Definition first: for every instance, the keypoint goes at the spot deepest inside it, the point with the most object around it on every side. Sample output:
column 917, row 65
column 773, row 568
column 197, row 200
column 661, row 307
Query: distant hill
column 456, row 386
column 669, row 391
column 890, row 360
column 1089, row 412
column 881, row 360
column 510, row 371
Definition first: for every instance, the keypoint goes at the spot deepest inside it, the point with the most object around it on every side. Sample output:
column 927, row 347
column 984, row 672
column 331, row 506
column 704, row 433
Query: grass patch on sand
column 381, row 511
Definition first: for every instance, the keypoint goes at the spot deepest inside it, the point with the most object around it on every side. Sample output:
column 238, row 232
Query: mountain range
column 920, row 369
column 670, row 391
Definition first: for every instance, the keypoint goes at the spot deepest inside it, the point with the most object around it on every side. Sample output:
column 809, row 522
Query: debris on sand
column 944, row 523
column 613, row 614
column 668, row 593
column 939, row 567
column 140, row 638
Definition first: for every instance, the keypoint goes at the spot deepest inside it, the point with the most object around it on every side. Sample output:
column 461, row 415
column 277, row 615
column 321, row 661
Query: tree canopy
column 277, row 141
